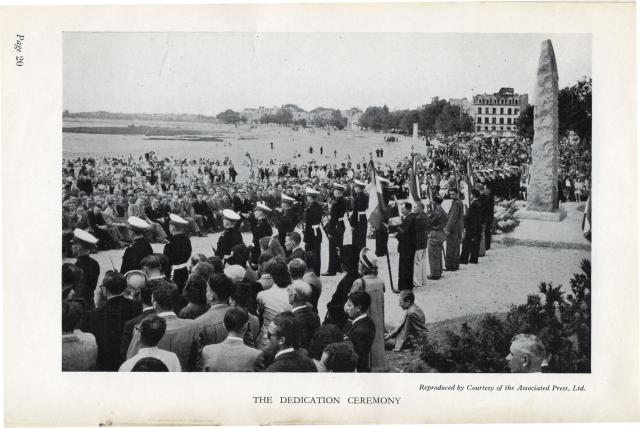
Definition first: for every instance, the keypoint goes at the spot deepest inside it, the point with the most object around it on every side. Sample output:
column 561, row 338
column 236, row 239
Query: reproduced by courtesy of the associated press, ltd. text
column 499, row 388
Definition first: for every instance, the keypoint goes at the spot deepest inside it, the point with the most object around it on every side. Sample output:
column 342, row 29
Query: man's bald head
column 526, row 354
column 300, row 293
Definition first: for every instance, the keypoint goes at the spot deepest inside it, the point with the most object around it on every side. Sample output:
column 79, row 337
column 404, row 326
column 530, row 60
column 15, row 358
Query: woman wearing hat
column 374, row 287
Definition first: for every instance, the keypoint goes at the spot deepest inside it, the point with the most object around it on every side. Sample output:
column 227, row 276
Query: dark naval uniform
column 260, row 229
column 335, row 229
column 358, row 221
column 178, row 250
column 312, row 232
column 229, row 239
column 90, row 273
column 134, row 254
column 286, row 223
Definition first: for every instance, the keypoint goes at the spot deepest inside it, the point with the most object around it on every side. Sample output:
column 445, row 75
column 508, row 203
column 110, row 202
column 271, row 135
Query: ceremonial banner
column 377, row 209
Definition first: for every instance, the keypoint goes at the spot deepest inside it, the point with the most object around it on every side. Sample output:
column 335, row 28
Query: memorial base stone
column 557, row 215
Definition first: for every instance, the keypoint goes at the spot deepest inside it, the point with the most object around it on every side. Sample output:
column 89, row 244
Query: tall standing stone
column 415, row 130
column 542, row 192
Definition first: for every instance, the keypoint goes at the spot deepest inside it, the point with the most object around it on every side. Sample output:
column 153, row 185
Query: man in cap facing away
column 139, row 249
column 260, row 228
column 231, row 235
column 288, row 219
column 358, row 217
column 83, row 243
column 312, row 232
column 335, row 229
column 178, row 250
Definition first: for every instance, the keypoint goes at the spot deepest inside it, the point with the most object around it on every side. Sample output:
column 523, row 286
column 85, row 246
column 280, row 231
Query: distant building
column 497, row 114
column 353, row 118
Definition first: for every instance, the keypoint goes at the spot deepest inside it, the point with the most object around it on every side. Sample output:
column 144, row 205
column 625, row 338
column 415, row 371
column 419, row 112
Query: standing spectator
column 274, row 300
column 152, row 329
column 363, row 330
column 406, row 246
column 232, row 355
column 211, row 323
column 282, row 338
column 438, row 221
column 106, row 323
column 180, row 337
column 307, row 321
column 374, row 287
column 472, row 230
column 422, row 235
column 79, row 350
column 453, row 232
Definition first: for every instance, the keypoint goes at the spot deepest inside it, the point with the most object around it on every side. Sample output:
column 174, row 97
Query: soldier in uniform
column 139, row 249
column 83, row 243
column 260, row 228
column 288, row 218
column 178, row 250
column 335, row 229
column 358, row 217
column 231, row 235
column 312, row 232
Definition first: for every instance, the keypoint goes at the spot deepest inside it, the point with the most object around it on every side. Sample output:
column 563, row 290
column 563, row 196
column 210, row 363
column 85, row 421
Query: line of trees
column 439, row 116
column 230, row 116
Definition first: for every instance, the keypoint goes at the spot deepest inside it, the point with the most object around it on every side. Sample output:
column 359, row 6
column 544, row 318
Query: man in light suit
column 181, row 335
column 211, row 323
column 409, row 330
column 232, row 355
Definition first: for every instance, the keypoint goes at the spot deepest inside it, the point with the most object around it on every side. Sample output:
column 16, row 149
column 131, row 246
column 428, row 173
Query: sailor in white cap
column 335, row 229
column 178, row 250
column 231, row 235
column 358, row 218
column 312, row 232
column 288, row 219
column 139, row 249
column 84, row 242
column 260, row 227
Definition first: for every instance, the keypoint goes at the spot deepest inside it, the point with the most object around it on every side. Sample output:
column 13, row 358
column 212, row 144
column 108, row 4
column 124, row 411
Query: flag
column 414, row 185
column 377, row 209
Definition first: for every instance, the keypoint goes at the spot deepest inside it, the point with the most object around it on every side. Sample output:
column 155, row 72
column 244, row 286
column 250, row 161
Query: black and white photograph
column 326, row 202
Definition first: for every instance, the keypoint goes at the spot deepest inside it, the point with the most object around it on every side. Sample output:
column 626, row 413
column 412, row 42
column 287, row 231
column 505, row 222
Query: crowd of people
column 259, row 303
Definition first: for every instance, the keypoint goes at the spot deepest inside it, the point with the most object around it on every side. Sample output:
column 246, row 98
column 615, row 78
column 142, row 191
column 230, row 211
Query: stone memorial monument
column 415, row 131
column 542, row 191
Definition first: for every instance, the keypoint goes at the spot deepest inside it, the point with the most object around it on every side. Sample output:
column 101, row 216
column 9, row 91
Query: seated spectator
column 195, row 291
column 362, row 330
column 274, row 300
column 526, row 354
column 307, row 321
column 149, row 365
column 180, row 337
column 232, row 355
column 323, row 336
column 340, row 358
column 211, row 323
column 79, row 350
column 282, row 338
column 152, row 329
column 406, row 335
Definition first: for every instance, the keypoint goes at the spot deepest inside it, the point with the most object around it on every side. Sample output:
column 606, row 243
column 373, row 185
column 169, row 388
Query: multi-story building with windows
column 497, row 114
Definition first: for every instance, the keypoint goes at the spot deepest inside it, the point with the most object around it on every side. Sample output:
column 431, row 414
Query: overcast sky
column 207, row 73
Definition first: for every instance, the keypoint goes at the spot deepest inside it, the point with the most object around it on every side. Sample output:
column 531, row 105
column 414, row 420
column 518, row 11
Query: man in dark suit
column 288, row 219
column 488, row 203
column 453, row 231
column 472, row 230
column 406, row 247
column 232, row 355
column 312, row 226
column 292, row 246
column 140, row 247
column 106, row 323
column 307, row 321
column 282, row 338
column 362, row 330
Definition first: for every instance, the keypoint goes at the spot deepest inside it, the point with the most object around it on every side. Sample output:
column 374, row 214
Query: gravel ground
column 505, row 276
